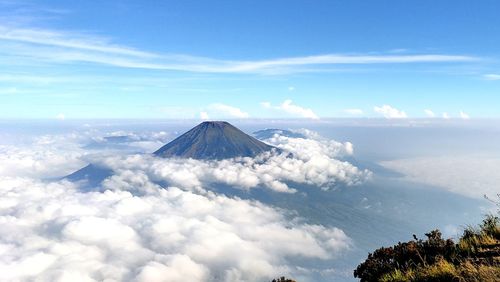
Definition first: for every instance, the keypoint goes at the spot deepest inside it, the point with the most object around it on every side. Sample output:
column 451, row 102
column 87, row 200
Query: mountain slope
column 92, row 174
column 213, row 140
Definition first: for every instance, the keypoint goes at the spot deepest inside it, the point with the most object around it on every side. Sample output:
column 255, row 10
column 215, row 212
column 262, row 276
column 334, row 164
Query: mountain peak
column 213, row 140
column 215, row 123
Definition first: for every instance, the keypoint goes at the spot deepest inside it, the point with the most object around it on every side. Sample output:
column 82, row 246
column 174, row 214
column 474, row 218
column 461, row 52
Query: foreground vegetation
column 283, row 279
column 475, row 257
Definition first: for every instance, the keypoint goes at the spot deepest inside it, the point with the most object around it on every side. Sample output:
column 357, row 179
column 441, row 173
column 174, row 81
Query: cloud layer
column 312, row 161
column 472, row 176
column 135, row 230
column 52, row 232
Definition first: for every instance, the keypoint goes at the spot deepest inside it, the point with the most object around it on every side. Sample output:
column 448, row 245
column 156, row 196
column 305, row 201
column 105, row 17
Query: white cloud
column 61, row 116
column 50, row 231
column 138, row 231
column 173, row 268
column 315, row 162
column 464, row 115
column 288, row 107
column 429, row 113
column 204, row 116
column 355, row 112
column 334, row 59
column 71, row 46
column 291, row 88
column 399, row 50
column 390, row 112
column 39, row 160
column 52, row 156
column 222, row 110
column 491, row 76
column 472, row 176
column 446, row 115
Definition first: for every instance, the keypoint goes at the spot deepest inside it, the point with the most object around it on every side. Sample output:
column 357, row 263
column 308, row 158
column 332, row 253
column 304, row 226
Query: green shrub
column 283, row 279
column 479, row 273
column 491, row 227
column 476, row 257
column 398, row 276
column 442, row 270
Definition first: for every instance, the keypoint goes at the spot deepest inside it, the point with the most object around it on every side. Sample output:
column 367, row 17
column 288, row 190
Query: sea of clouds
column 133, row 229
column 470, row 175
column 309, row 160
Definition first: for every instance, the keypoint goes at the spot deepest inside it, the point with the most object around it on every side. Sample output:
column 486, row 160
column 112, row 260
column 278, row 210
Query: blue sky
column 249, row 59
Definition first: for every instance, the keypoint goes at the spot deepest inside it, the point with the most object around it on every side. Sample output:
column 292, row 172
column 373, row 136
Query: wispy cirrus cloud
column 35, row 79
column 491, row 76
column 27, row 12
column 67, row 40
column 54, row 46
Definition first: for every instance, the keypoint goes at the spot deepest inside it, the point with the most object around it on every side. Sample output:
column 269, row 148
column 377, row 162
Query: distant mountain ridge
column 214, row 140
column 271, row 132
column 92, row 174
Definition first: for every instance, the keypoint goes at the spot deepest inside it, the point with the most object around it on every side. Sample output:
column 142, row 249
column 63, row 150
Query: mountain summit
column 213, row 140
